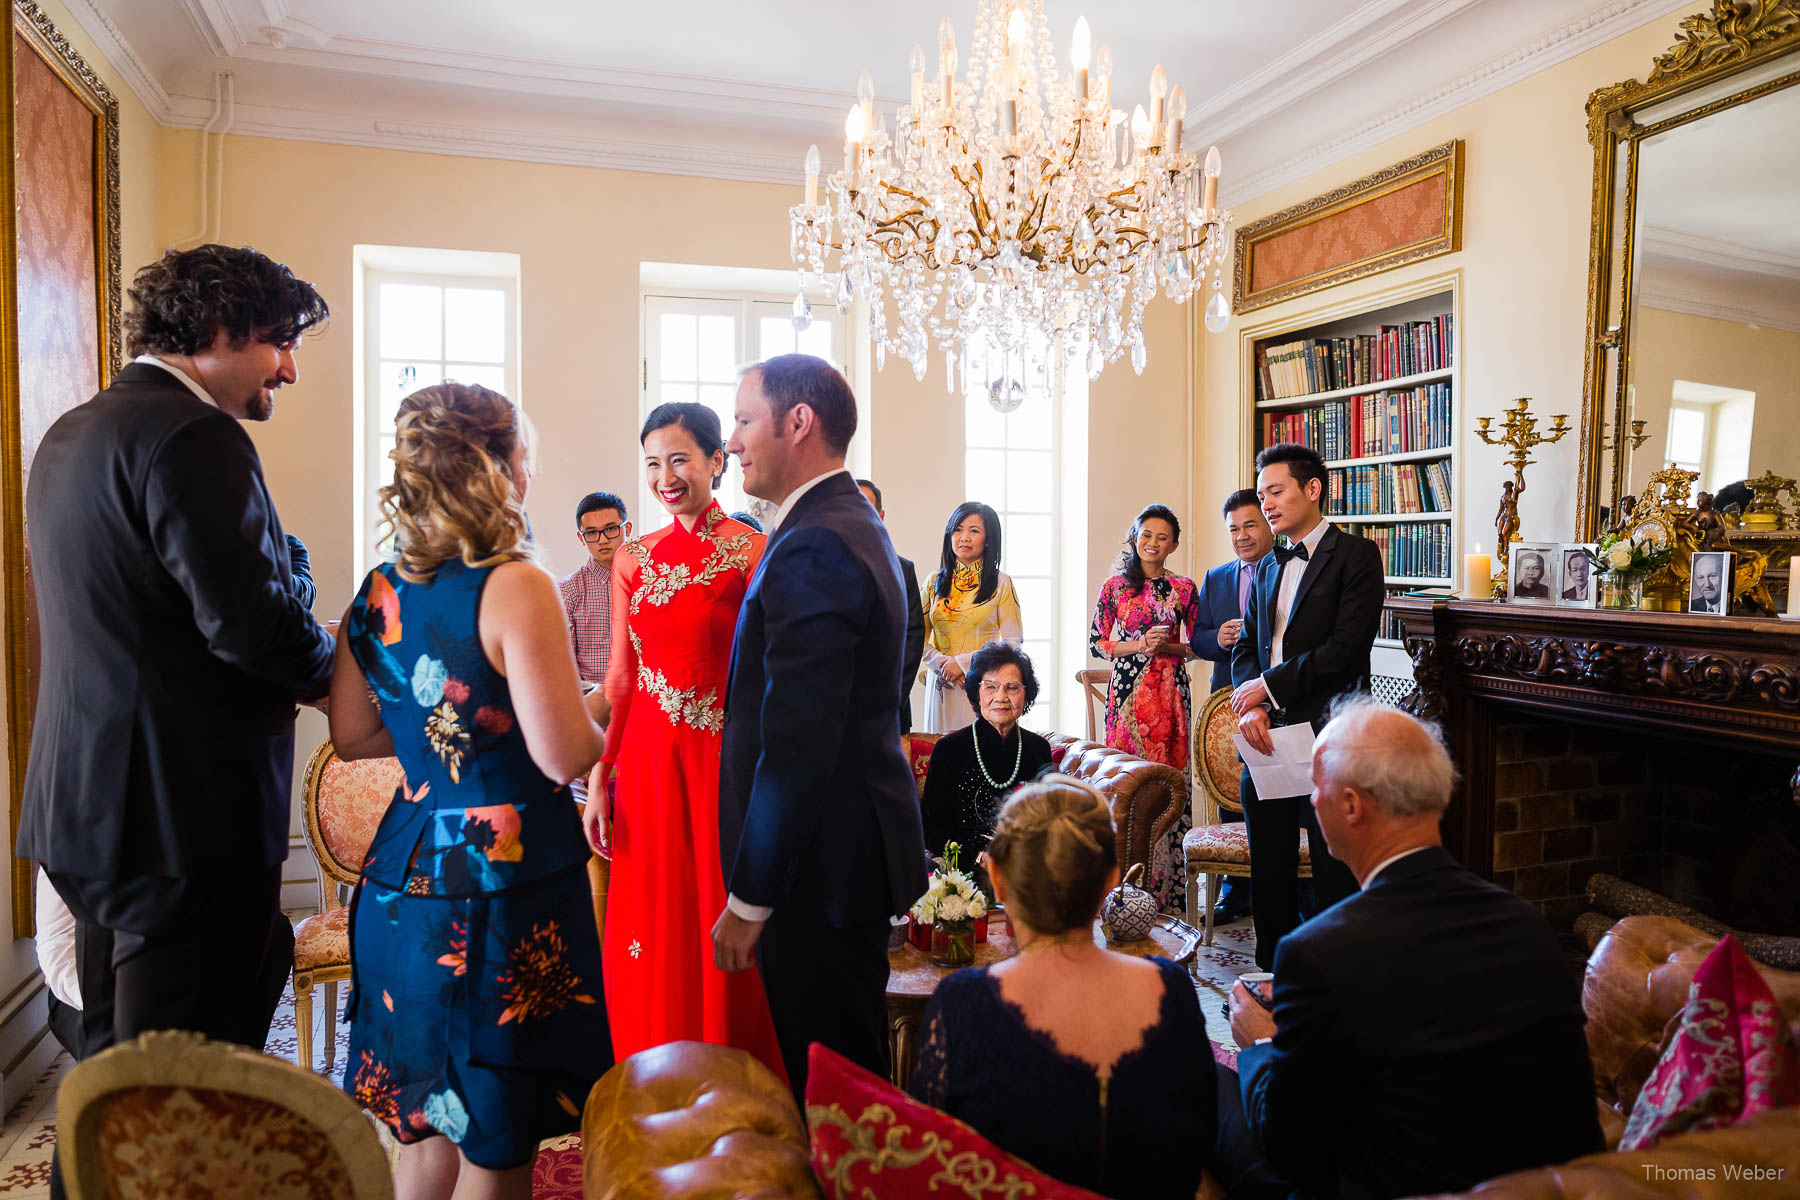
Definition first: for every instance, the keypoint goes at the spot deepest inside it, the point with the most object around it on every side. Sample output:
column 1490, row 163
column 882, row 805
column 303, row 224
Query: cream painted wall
column 1528, row 178
column 1670, row 346
column 21, row 994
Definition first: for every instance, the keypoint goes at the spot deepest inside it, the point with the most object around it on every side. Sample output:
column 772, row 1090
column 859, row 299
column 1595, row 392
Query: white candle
column 1794, row 586
column 1478, row 574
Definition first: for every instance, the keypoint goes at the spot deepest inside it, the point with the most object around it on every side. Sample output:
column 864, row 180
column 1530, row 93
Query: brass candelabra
column 1637, row 437
column 1518, row 433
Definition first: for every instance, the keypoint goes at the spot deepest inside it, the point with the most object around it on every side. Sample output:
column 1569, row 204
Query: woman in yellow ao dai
column 967, row 603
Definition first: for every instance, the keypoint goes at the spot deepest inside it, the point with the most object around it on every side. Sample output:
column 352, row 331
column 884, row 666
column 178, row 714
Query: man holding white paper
column 1309, row 630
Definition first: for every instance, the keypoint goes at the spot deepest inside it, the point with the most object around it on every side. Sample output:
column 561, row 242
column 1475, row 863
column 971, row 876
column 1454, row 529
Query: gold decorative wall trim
column 1443, row 237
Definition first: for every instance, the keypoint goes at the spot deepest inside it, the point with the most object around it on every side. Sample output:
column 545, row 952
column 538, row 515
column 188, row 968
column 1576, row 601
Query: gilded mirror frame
column 1714, row 46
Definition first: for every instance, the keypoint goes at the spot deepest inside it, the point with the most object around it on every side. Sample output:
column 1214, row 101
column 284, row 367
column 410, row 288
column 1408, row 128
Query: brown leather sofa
column 1146, row 797
column 693, row 1122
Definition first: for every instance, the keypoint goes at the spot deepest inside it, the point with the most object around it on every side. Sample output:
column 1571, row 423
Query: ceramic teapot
column 1129, row 911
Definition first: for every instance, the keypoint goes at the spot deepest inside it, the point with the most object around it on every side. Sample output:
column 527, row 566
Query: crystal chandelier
column 1013, row 205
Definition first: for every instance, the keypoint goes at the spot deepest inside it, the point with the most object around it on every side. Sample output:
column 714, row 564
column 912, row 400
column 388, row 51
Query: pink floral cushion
column 1218, row 753
column 1229, row 843
column 1732, row 1057
column 869, row 1138
column 202, row 1144
column 323, row 940
column 352, row 798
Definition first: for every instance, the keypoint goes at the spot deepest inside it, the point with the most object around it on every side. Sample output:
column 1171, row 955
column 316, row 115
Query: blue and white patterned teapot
column 1129, row 911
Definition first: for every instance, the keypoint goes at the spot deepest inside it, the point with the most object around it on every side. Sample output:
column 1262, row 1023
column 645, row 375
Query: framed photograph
column 1709, row 583
column 1534, row 573
column 1580, row 579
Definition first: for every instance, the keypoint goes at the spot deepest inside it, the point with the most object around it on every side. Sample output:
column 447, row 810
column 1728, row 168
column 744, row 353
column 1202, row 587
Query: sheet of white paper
column 1288, row 771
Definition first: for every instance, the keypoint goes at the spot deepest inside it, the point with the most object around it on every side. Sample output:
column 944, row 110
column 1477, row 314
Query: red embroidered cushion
column 918, row 756
column 869, row 1138
column 1732, row 1056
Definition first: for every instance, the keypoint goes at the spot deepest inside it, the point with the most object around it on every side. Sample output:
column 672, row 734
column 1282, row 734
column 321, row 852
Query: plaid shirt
column 587, row 600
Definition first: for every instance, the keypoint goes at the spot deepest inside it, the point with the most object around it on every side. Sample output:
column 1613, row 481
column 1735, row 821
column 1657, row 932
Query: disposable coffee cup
column 1261, row 986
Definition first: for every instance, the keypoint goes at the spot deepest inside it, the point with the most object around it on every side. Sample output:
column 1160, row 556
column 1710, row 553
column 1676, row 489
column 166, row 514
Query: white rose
column 954, row 908
column 1619, row 557
column 977, row 906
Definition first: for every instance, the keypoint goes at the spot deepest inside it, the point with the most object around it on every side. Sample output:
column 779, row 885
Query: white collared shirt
column 187, row 380
column 1385, row 863
column 762, row 912
column 1288, row 587
column 793, row 497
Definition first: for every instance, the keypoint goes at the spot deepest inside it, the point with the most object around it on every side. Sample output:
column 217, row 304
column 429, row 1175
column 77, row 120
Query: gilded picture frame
column 60, row 308
column 1401, row 214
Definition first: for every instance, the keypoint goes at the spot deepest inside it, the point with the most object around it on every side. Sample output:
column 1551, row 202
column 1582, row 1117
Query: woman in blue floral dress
column 476, row 1005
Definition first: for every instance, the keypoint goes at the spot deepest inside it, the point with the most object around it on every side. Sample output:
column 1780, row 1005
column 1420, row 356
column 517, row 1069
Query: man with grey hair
column 1426, row 1032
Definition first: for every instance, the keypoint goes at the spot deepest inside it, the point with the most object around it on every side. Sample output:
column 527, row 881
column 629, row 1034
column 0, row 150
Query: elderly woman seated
column 973, row 769
column 1091, row 1065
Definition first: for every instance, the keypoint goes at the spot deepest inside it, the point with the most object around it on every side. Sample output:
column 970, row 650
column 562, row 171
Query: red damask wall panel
column 1403, row 217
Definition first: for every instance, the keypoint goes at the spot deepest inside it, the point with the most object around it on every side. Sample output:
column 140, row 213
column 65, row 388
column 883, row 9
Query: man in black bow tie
column 1308, row 632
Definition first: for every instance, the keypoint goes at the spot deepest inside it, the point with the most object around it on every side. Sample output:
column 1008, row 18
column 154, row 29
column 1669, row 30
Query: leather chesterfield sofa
column 693, row 1122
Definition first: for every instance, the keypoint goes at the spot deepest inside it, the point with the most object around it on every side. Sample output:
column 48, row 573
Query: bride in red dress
column 676, row 594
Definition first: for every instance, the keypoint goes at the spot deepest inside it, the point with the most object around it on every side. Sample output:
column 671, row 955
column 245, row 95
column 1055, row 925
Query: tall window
column 1011, row 462
column 424, row 328
column 693, row 347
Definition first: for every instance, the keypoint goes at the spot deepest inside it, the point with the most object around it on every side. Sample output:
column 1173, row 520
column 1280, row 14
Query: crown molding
column 1787, row 319
column 1521, row 62
column 119, row 53
column 1716, row 252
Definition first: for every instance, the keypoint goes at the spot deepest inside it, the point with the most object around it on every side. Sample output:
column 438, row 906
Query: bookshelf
column 1373, row 385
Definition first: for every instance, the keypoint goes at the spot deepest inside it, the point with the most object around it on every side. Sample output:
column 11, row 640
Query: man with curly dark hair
column 174, row 650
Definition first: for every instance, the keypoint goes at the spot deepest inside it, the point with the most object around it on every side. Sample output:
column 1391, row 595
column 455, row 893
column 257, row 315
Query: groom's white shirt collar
column 793, row 498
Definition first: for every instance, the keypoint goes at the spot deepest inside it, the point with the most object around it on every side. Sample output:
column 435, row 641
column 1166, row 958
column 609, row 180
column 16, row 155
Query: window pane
column 1687, row 435
column 383, row 469
column 475, row 324
column 411, row 321
column 985, row 476
column 982, row 426
column 818, row 341
column 722, row 399
column 1031, row 427
column 718, row 348
column 775, row 335
column 480, row 374
column 400, row 380
column 677, row 393
column 1029, row 478
column 1027, row 546
column 1034, row 606
column 676, row 331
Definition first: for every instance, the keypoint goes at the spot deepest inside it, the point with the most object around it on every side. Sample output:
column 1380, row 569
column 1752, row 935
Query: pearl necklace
column 1018, row 758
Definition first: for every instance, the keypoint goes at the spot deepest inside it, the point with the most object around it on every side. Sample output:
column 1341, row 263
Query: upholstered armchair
column 172, row 1114
column 344, row 803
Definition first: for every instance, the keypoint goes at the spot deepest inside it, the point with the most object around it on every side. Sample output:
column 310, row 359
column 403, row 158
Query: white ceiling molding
column 1584, row 33
column 659, row 159
column 1786, row 318
column 1715, row 252
column 117, row 51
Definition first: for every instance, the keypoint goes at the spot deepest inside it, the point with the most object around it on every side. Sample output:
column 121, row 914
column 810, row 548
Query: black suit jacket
column 1429, row 1036
column 818, row 814
column 1330, row 632
column 174, row 647
column 914, row 650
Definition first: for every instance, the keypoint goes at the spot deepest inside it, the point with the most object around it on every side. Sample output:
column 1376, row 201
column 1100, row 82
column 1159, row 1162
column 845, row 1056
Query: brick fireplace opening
column 1713, row 827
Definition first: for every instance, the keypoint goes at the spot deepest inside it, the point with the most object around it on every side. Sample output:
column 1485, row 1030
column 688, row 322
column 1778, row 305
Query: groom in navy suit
column 818, row 816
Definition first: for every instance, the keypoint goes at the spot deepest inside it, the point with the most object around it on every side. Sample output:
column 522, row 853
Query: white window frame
column 376, row 471
column 747, row 308
column 1706, row 413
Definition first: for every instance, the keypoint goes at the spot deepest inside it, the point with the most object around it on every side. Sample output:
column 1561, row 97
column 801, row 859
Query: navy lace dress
column 1146, row 1132
column 476, row 1001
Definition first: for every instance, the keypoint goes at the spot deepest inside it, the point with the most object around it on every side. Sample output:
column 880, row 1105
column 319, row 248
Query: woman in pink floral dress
column 1142, row 623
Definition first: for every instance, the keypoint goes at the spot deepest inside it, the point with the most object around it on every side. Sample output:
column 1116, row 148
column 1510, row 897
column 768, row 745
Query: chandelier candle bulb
column 865, row 97
column 1080, row 49
column 812, row 176
column 1159, row 88
column 1177, row 114
column 916, row 65
column 1103, row 65
column 855, row 127
column 1214, row 164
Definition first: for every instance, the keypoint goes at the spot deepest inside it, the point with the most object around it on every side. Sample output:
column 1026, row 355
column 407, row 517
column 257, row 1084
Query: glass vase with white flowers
column 953, row 902
column 1625, row 562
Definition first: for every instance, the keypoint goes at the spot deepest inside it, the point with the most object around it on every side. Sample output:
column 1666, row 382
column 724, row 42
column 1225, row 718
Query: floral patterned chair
column 1215, row 848
column 344, row 802
column 172, row 1114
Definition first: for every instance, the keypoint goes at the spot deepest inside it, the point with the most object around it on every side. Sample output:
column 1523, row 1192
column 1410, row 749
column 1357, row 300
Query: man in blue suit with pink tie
column 1224, row 591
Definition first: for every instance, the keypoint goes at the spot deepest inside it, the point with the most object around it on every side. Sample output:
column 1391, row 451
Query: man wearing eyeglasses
column 603, row 525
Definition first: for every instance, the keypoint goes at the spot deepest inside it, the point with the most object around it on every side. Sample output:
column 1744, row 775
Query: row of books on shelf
column 1390, row 488
column 1418, row 549
column 1364, row 426
column 1309, row 365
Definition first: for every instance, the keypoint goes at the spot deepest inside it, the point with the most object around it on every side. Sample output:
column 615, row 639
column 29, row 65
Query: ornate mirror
column 1693, row 337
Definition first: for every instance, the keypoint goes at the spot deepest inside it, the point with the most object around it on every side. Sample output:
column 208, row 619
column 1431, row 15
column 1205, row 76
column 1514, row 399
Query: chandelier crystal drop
column 1014, row 203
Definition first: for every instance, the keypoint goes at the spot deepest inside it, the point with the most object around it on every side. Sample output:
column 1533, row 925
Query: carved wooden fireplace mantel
column 1727, row 684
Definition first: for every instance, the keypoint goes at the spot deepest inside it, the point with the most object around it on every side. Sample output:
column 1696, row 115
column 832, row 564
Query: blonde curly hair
column 1054, row 844
column 455, row 492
